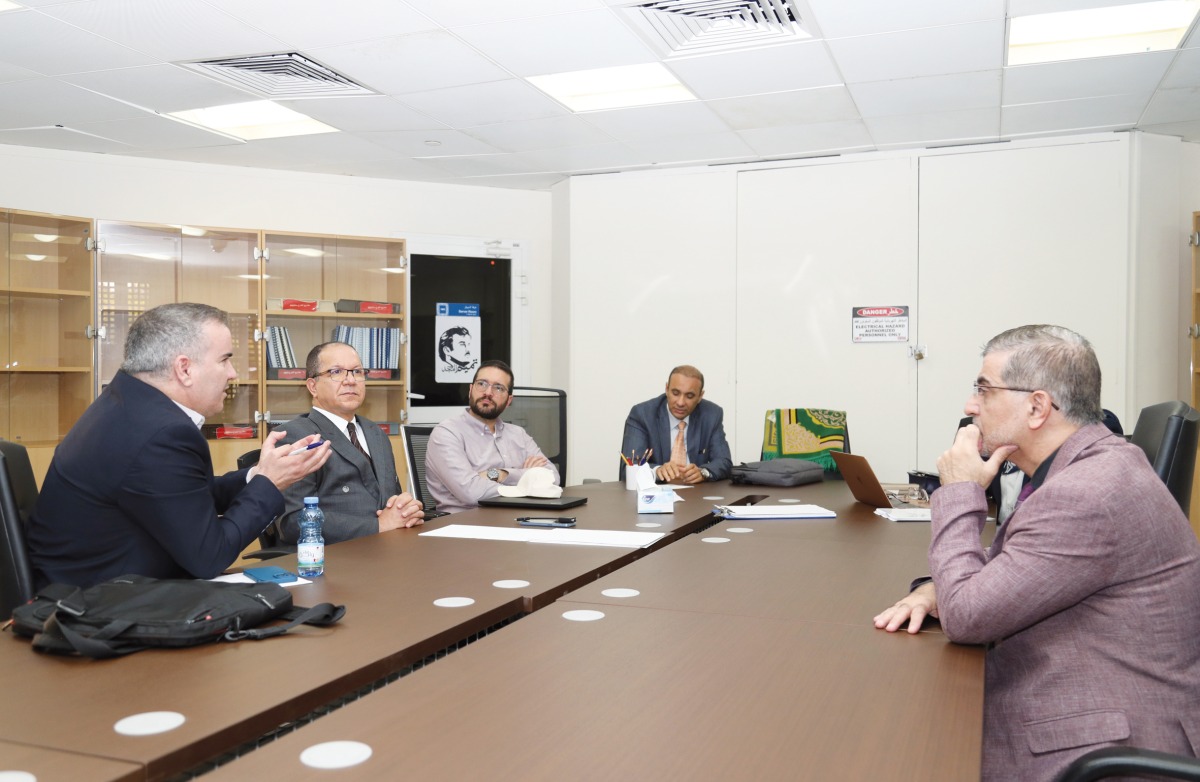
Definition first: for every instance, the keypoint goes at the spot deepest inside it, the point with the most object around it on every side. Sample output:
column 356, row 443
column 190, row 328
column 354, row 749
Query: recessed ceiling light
column 253, row 120
column 613, row 88
column 1099, row 32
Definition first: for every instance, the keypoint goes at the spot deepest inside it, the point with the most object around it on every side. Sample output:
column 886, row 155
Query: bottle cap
column 311, row 500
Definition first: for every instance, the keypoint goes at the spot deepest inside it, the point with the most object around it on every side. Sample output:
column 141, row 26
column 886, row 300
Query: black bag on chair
column 132, row 613
column 778, row 472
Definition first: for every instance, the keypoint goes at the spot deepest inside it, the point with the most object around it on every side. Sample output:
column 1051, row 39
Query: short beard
column 487, row 416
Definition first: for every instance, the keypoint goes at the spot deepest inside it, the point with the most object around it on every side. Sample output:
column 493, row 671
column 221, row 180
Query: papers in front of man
column 903, row 514
column 577, row 537
column 750, row 512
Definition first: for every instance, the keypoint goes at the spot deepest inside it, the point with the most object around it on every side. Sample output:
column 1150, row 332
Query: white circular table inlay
column 17, row 776
column 714, row 540
column 453, row 602
column 739, row 529
column 149, row 723
column 510, row 583
column 620, row 592
column 713, row 497
column 335, row 754
column 649, row 524
column 583, row 615
column 789, row 500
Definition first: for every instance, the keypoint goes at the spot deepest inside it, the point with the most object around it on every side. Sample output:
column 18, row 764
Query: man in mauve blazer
column 358, row 495
column 1089, row 597
column 652, row 425
column 131, row 488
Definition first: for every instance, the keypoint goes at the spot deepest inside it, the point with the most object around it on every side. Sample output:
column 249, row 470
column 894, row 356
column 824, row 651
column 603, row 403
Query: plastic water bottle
column 310, row 549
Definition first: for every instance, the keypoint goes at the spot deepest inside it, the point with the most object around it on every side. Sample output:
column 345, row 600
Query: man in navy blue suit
column 131, row 488
column 682, row 429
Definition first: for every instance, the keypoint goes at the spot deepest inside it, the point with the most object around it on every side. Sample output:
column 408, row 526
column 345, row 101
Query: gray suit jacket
column 349, row 489
column 649, row 424
column 1089, row 599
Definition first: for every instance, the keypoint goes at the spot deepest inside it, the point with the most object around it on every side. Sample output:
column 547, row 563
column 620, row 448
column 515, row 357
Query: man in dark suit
column 683, row 430
column 1089, row 596
column 358, row 487
column 131, row 488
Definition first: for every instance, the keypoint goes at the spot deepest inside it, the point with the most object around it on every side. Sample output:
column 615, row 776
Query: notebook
column 544, row 503
column 862, row 481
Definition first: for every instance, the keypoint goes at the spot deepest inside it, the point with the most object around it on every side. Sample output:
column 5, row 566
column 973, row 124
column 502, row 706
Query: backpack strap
column 58, row 637
column 320, row 615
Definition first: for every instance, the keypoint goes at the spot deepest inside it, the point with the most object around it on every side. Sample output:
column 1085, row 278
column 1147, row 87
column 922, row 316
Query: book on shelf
column 378, row 348
column 280, row 354
column 376, row 307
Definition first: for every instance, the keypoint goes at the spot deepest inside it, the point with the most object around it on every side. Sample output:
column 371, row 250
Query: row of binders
column 378, row 348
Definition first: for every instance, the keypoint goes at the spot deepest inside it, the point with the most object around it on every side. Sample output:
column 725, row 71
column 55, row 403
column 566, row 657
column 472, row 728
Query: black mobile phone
column 534, row 521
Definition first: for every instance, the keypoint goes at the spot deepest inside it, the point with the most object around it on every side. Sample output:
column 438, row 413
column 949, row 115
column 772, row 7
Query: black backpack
column 132, row 613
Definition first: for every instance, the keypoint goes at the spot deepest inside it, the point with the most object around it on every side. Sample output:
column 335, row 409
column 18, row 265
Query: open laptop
column 543, row 503
column 863, row 484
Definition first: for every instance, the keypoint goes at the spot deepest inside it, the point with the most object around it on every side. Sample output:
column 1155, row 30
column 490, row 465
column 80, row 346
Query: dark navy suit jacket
column 131, row 490
column 649, row 426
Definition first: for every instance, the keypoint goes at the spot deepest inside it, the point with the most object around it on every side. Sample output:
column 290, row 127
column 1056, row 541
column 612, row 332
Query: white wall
column 1189, row 200
column 145, row 190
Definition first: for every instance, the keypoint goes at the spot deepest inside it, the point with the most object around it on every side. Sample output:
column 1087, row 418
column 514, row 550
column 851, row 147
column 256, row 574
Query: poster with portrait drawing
column 458, row 339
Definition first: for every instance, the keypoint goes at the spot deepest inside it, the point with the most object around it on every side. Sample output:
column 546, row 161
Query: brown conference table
column 232, row 694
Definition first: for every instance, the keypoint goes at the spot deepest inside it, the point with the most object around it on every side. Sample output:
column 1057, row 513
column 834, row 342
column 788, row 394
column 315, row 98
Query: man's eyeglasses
column 482, row 386
column 338, row 374
column 981, row 389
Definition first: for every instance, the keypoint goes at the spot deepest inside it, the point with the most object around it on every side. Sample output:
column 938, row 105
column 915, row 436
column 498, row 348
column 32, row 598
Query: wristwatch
column 707, row 475
column 493, row 474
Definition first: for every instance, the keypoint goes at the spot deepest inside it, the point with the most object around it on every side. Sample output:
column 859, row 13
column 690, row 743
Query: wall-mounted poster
column 459, row 336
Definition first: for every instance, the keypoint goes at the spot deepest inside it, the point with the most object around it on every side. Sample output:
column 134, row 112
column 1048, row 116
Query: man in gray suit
column 1089, row 596
column 359, row 489
column 680, row 416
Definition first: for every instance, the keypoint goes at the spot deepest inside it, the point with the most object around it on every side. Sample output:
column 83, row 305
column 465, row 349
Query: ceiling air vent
column 283, row 76
column 689, row 27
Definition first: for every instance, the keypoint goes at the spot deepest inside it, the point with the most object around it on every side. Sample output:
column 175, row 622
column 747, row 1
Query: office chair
column 806, row 433
column 416, row 439
column 18, row 494
column 1130, row 762
column 542, row 412
column 1168, row 432
column 269, row 546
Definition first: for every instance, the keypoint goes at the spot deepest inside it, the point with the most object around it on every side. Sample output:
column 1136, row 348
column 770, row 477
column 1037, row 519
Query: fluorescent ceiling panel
column 254, row 120
column 1099, row 32
column 613, row 88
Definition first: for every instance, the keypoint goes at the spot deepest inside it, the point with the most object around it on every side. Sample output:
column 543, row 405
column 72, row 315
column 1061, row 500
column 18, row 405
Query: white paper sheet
column 576, row 537
column 773, row 512
column 903, row 514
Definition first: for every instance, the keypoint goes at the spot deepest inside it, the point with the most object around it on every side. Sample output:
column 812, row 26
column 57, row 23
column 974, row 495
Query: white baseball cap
column 536, row 482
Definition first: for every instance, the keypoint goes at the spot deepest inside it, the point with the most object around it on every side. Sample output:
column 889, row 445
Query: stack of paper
column 903, row 514
column 750, row 512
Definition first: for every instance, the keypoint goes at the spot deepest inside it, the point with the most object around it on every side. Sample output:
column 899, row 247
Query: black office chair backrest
column 542, row 412
column 1168, row 433
column 18, row 494
column 416, row 440
column 249, row 459
column 1109, row 762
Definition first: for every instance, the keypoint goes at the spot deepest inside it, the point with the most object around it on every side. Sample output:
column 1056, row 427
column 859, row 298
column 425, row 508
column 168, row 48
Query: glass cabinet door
column 323, row 288
column 46, row 311
column 142, row 266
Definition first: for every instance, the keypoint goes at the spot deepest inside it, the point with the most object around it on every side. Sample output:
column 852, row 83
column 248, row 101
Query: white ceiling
column 94, row 75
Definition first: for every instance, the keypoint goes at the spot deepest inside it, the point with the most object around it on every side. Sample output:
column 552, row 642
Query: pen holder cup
column 631, row 475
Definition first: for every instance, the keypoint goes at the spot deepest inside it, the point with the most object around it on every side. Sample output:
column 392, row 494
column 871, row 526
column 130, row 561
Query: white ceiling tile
column 294, row 152
column 51, row 102
column 1182, row 105
column 413, row 143
column 485, row 104
column 367, row 112
column 928, row 94
column 1185, row 71
column 556, row 44
column 178, row 30
column 593, row 157
column 695, row 148
column 841, row 19
column 656, row 121
column 935, row 129
column 819, row 138
column 464, row 12
column 314, row 23
column 15, row 73
column 1188, row 131
column 1112, row 111
column 154, row 132
column 164, row 88
column 1134, row 73
column 546, row 133
column 959, row 48
column 795, row 66
column 62, row 138
column 31, row 40
column 798, row 107
column 410, row 63
column 478, row 165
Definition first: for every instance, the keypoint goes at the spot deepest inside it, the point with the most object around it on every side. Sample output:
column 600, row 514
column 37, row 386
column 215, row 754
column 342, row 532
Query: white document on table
column 576, row 537
column 749, row 512
column 904, row 514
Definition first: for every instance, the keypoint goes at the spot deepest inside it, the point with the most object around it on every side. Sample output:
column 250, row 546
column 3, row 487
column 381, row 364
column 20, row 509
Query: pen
column 625, row 459
column 308, row 447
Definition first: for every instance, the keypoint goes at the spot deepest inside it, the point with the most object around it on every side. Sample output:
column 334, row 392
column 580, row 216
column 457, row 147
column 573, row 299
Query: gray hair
column 1055, row 360
column 166, row 331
